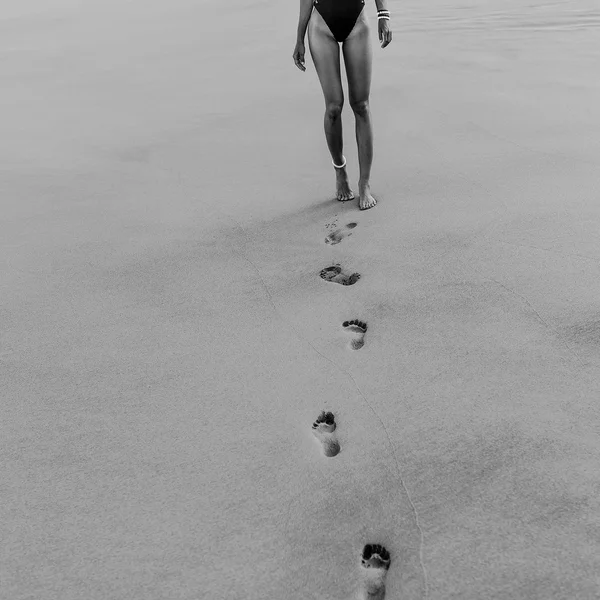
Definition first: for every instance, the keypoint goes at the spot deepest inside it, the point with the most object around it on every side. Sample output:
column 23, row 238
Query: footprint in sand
column 375, row 563
column 335, row 237
column 324, row 431
column 358, row 329
column 335, row 274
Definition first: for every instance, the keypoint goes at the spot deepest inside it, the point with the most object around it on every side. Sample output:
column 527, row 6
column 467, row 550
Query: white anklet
column 340, row 166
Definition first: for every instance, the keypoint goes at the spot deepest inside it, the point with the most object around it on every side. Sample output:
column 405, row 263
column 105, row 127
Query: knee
column 360, row 108
column 333, row 110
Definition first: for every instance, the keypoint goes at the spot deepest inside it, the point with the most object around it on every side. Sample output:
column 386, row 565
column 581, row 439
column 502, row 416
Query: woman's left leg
column 358, row 56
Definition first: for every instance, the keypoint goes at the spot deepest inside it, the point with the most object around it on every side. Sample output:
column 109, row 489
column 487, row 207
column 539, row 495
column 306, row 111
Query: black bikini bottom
column 340, row 15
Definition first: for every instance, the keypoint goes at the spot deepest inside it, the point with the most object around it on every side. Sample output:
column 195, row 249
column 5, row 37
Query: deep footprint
column 335, row 237
column 358, row 329
column 335, row 274
column 375, row 562
column 323, row 429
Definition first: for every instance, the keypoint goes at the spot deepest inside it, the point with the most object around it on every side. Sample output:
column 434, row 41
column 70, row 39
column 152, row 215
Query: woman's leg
column 325, row 52
column 358, row 59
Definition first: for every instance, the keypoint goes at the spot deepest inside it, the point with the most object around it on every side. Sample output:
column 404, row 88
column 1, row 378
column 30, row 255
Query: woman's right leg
column 325, row 52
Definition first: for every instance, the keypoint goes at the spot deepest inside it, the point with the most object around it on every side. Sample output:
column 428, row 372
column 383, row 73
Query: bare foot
column 343, row 192
column 365, row 199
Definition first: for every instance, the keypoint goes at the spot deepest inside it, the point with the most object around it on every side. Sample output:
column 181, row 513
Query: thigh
column 358, row 58
column 325, row 53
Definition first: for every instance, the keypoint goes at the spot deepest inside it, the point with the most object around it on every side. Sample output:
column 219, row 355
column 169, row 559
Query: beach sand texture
column 167, row 341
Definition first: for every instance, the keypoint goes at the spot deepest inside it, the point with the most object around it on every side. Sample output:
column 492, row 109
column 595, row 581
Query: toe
column 368, row 203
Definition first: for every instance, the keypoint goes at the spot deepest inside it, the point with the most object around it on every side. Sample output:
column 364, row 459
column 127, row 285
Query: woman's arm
column 306, row 7
column 383, row 23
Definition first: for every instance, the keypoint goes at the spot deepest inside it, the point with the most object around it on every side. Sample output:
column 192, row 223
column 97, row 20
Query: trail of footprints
column 375, row 559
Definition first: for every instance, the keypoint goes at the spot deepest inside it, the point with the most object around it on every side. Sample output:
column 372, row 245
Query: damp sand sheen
column 176, row 277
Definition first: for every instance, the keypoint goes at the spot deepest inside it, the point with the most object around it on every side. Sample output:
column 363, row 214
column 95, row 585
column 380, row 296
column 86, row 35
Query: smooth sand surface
column 167, row 341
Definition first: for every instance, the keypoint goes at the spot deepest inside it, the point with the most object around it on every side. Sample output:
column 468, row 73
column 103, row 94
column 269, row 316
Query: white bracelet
column 384, row 18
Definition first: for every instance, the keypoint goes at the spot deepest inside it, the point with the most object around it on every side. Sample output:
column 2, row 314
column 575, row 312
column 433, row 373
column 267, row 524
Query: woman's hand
column 385, row 34
column 299, row 55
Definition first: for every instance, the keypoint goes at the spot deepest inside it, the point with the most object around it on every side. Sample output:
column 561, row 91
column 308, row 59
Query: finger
column 298, row 61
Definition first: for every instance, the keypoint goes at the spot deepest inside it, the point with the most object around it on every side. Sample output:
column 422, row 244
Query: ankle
column 339, row 165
